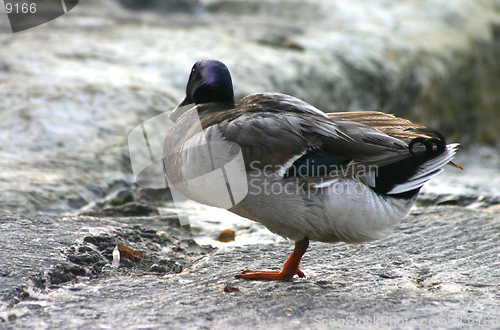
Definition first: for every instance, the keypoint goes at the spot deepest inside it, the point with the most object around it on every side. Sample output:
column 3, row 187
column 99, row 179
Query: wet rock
column 157, row 269
column 477, row 187
column 44, row 252
column 453, row 281
column 172, row 266
column 127, row 210
column 64, row 273
column 76, row 203
column 461, row 200
column 64, row 132
column 160, row 5
column 155, row 197
column 63, row 138
column 131, row 201
column 122, row 197
column 102, row 241
column 85, row 258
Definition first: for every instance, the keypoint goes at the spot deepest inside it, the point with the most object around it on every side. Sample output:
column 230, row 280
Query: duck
column 307, row 175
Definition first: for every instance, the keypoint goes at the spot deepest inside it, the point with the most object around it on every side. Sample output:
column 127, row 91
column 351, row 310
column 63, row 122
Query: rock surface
column 42, row 251
column 439, row 269
column 74, row 88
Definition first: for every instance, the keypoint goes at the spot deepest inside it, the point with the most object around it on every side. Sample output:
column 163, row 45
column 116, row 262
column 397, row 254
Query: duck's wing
column 399, row 128
column 278, row 103
column 318, row 150
column 391, row 125
column 274, row 130
column 275, row 140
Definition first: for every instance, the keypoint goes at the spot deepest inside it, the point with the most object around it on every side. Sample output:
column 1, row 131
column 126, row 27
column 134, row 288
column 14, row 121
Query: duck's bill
column 180, row 109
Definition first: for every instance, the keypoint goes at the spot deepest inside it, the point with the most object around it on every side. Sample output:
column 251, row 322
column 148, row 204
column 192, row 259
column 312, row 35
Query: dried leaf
column 227, row 235
column 128, row 253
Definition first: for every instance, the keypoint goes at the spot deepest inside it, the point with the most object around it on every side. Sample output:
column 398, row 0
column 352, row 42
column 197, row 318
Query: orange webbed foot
column 271, row 275
column 290, row 268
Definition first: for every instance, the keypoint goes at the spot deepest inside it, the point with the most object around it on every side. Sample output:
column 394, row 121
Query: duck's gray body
column 353, row 203
column 344, row 211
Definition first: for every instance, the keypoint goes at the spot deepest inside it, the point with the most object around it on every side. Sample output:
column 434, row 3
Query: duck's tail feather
column 425, row 171
column 404, row 178
column 391, row 125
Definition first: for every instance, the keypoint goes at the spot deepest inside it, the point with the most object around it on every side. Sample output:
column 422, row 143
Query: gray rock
column 122, row 197
column 160, row 5
column 41, row 252
column 74, row 88
column 440, row 267
column 127, row 210
column 155, row 197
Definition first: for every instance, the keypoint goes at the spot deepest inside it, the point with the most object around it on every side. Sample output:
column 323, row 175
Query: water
column 207, row 222
column 480, row 180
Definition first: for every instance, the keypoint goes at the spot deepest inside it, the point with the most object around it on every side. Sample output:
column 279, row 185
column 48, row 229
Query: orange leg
column 290, row 268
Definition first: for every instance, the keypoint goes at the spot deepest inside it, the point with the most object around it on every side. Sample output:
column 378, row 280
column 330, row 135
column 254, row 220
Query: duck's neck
column 212, row 113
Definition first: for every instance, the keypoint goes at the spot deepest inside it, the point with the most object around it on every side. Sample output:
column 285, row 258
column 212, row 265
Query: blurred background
column 71, row 90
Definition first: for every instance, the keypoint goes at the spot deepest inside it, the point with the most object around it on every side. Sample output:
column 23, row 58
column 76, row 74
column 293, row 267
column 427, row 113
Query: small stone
column 230, row 289
column 127, row 210
column 122, row 197
column 155, row 196
column 157, row 269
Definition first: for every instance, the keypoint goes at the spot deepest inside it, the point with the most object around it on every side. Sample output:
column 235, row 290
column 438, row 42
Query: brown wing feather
column 396, row 127
column 269, row 140
column 391, row 125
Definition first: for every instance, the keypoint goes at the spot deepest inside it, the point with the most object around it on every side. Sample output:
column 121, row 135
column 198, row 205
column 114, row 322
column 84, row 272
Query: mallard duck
column 348, row 176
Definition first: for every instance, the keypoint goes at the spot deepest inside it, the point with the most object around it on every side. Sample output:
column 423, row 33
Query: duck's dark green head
column 210, row 81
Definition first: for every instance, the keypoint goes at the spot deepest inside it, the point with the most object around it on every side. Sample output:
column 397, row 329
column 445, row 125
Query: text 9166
column 20, row 8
